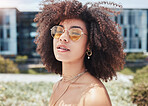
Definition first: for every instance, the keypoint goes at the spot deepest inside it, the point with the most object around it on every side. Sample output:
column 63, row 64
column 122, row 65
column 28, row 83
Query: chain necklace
column 75, row 77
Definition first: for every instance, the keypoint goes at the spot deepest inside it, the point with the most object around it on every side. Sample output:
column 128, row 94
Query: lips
column 62, row 48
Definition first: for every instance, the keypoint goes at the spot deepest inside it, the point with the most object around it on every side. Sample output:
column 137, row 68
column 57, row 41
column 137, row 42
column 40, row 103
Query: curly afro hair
column 104, row 35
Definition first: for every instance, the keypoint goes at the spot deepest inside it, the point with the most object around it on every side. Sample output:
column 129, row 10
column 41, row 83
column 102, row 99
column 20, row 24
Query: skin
column 86, row 90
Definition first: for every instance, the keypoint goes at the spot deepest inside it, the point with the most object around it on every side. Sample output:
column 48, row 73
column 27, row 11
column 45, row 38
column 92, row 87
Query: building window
column 121, row 19
column 125, row 32
column 139, row 43
column 134, row 43
column 34, row 24
column 130, row 31
column 130, row 43
column 7, row 19
column 33, row 34
column 1, row 33
column 8, row 33
column 133, row 18
column 136, row 32
column 4, row 46
column 130, row 18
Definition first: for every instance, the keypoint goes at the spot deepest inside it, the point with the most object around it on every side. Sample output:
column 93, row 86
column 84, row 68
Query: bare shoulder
column 97, row 94
column 55, row 85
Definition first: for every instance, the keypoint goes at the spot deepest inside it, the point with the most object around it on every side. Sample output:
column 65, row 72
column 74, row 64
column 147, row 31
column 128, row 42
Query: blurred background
column 23, row 79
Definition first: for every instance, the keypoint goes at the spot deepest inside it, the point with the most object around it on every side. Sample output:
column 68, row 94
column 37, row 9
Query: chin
column 63, row 58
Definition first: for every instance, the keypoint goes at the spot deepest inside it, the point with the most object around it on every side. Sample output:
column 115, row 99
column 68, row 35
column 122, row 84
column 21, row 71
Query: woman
column 83, row 45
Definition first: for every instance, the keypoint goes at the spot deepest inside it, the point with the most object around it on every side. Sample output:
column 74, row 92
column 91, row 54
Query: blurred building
column 17, row 31
column 26, row 31
column 134, row 24
column 8, row 31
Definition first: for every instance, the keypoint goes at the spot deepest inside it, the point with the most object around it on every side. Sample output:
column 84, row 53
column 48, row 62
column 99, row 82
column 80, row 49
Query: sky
column 33, row 5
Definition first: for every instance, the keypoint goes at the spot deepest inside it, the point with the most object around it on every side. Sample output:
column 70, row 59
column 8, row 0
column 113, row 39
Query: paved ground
column 29, row 78
column 48, row 78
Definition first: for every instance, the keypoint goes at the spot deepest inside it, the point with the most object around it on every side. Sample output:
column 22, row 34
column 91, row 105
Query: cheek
column 54, row 45
column 80, row 48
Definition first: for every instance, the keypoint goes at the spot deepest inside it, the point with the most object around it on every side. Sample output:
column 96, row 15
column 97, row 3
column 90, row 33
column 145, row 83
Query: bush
column 139, row 93
column 21, row 59
column 25, row 94
column 7, row 66
column 135, row 56
column 130, row 70
column 141, row 75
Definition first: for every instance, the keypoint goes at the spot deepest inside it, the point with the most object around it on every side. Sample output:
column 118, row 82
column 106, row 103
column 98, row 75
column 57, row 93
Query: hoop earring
column 89, row 53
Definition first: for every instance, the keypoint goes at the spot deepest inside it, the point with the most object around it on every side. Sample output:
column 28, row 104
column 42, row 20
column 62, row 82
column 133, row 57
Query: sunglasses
column 74, row 33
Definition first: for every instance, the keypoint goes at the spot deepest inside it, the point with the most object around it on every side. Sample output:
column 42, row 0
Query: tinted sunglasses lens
column 75, row 34
column 56, row 31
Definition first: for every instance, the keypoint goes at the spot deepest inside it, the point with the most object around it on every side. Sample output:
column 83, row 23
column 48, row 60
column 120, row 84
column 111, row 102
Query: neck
column 72, row 69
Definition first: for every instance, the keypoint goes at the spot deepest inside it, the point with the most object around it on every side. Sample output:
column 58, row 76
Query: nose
column 64, row 37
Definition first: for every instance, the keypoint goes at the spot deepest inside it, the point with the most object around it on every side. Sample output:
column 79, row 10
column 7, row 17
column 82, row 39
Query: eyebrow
column 76, row 27
column 61, row 26
column 72, row 27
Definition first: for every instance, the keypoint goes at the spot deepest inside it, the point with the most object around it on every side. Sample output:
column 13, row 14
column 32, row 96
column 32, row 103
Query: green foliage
column 140, row 89
column 140, row 94
column 141, row 75
column 7, row 66
column 34, row 71
column 21, row 59
column 130, row 70
column 31, row 71
column 135, row 56
column 127, row 71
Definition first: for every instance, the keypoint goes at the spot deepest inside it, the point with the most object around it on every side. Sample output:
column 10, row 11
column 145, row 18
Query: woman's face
column 65, row 49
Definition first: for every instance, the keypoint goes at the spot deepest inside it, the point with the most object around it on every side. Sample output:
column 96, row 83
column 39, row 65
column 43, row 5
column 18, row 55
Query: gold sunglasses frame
column 82, row 33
